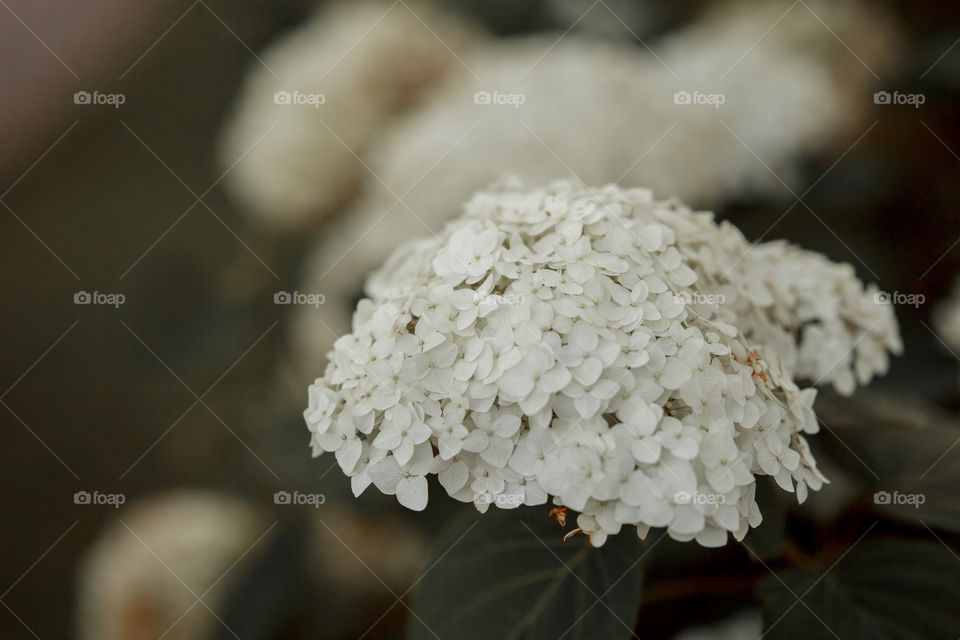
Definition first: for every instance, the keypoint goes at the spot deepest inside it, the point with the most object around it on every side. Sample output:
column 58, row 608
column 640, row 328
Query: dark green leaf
column 511, row 576
column 882, row 589
column 910, row 475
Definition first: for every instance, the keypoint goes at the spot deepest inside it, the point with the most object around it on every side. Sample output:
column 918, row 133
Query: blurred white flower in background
column 136, row 579
column 742, row 626
column 621, row 400
column 604, row 111
column 364, row 64
column 125, row 591
column 947, row 319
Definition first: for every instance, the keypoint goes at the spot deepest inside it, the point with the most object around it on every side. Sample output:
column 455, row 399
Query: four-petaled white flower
column 400, row 431
column 407, row 481
column 533, row 380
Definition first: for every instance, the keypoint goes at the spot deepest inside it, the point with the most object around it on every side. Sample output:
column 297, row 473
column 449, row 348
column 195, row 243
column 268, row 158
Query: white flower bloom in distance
column 798, row 93
column 746, row 625
column 124, row 591
column 946, row 319
column 609, row 374
column 323, row 94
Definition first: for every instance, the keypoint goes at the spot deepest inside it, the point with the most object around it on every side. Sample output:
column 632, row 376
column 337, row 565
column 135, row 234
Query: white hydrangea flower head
column 593, row 346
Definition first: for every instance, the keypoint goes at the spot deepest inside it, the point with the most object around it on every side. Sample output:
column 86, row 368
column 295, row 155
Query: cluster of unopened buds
column 627, row 359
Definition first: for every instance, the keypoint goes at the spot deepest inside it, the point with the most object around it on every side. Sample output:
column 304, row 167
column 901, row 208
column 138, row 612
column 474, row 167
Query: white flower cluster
column 554, row 343
column 812, row 316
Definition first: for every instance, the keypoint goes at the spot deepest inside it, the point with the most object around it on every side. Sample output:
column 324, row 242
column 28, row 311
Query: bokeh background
column 185, row 386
